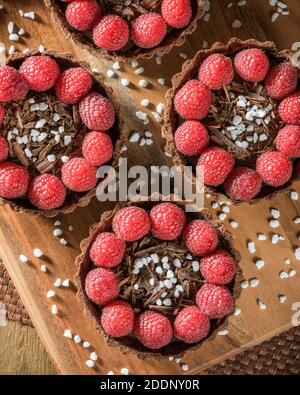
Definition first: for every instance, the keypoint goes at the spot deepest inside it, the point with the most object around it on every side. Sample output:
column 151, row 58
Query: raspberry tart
column 156, row 281
column 234, row 112
column 127, row 30
column 52, row 139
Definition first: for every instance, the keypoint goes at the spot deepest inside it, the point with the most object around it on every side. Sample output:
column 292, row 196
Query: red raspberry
column 97, row 148
column 215, row 164
column 167, row 221
column 214, row 300
column 14, row 180
column 191, row 325
column 289, row 109
column 117, row 318
column 3, row 149
column 177, row 13
column 12, row 84
column 111, row 33
column 40, row 72
column 107, row 250
column 243, row 184
column 47, row 192
column 216, row 71
column 101, row 286
column 97, row 112
column 1, row 115
column 153, row 330
column 288, row 141
column 191, row 138
column 73, row 84
column 83, row 14
column 200, row 237
column 79, row 175
column 252, row 64
column 274, row 168
column 281, row 80
column 193, row 100
column 148, row 30
column 131, row 223
column 218, row 267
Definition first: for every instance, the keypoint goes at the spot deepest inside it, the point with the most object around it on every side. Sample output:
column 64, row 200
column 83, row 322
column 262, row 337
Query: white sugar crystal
column 168, row 284
column 160, row 108
column 40, row 123
column 124, row 371
column 296, row 220
column 116, row 66
column 275, row 238
column 57, row 223
column 158, row 270
column 237, row 311
column 68, row 334
column 67, row 140
column 195, row 266
column 140, row 70
column 44, row 268
column 141, row 115
column 245, row 284
column 136, row 286
column 11, row 50
column 234, row 224
column 43, row 106
column 166, row 266
column 37, row 252
column 274, row 223
column 167, row 302
column 57, row 232
column 287, row 261
column 158, row 118
column 30, row 15
column 66, row 283
column 185, row 367
column 283, row 275
column 77, row 339
column 236, row 24
column 222, row 216
column 158, row 302
column 292, row 273
column 294, row 195
column 170, row 273
column 151, row 281
column 134, row 63
column 261, row 305
column 10, row 27
column 260, row 264
column 89, row 363
column 177, row 262
column 93, row 356
column 51, row 158
column 145, row 102
column 86, row 344
column 225, row 209
column 110, row 373
column 28, row 153
column 254, row 282
column 174, row 280
column 50, row 294
column 143, row 83
column 158, row 60
column 189, row 256
column 54, row 310
column 57, row 283
column 183, row 55
column 21, row 32
column 237, row 120
column 297, row 253
column 223, row 333
column 14, row 37
column 262, row 236
column 56, row 117
column 165, row 259
column 134, row 137
column 275, row 213
column 63, row 241
column 282, row 298
column 251, row 247
column 274, row 16
column 23, row 258
column 176, row 293
column 125, row 82
column 161, row 81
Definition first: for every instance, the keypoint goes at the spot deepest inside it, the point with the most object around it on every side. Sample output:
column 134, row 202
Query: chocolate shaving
column 20, row 122
column 146, row 295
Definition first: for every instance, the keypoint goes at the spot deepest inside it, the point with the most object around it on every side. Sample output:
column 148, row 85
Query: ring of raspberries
column 125, row 27
column 236, row 117
column 154, row 275
column 55, row 131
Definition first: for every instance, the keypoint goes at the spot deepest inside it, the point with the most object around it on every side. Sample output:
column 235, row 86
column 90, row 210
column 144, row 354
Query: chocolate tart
column 129, row 344
column 244, row 157
column 73, row 125
column 130, row 10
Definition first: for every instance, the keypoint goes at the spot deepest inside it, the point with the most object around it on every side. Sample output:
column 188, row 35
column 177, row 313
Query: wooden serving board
column 20, row 233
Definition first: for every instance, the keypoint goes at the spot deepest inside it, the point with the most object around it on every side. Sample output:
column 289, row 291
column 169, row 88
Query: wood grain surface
column 20, row 234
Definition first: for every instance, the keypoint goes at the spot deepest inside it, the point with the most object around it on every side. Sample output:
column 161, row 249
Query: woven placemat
column 280, row 355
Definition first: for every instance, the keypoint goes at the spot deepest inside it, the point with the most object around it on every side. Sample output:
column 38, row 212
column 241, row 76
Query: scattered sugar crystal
column 145, row 102
column 237, row 311
column 11, row 50
column 54, row 310
column 158, row 60
column 57, row 283
column 10, row 27
column 287, row 261
column 68, row 334
column 275, row 213
column 140, row 70
column 37, row 252
column 63, row 241
column 160, row 108
column 66, row 283
column 167, row 302
column 161, row 81
column 110, row 373
column 23, row 258
column 222, row 216
column 151, row 281
column 185, row 367
column 282, row 298
column 297, row 253
column 292, row 273
column 158, row 302
column 158, row 270
column 168, row 284
column 57, row 232
column 57, row 223
column 14, row 37
column 43, row 268
column 296, row 220
column 262, row 236
column 21, row 32
column 245, row 284
column 261, row 305
column 274, row 223
column 223, row 333
column 234, row 224
column 177, row 262
column 171, row 359
column 86, row 344
column 275, row 238
column 134, row 63
column 170, row 273
column 125, row 82
column 143, row 83
column 50, row 294
column 177, row 360
column 93, row 356
column 251, row 247
column 124, row 371
column 259, row 264
column 29, row 15
column 90, row 363
column 294, row 195
column 283, row 275
column 236, row 24
column 51, row 158
column 254, row 282
column 195, row 266
column 77, row 339
column 110, row 73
